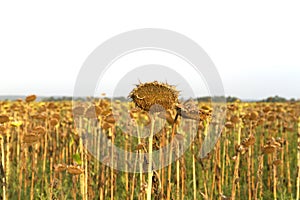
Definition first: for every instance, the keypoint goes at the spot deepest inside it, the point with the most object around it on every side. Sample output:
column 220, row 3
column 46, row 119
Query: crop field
column 43, row 154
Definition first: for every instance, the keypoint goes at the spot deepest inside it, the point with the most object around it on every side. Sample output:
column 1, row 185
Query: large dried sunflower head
column 159, row 95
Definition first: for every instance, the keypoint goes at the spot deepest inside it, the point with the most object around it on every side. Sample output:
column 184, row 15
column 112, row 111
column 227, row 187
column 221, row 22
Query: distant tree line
column 63, row 98
column 278, row 99
column 218, row 99
column 200, row 99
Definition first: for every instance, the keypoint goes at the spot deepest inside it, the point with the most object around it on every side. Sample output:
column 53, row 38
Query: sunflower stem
column 150, row 170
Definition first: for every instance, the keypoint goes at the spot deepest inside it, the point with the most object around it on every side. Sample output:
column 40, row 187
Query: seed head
column 146, row 95
column 92, row 112
column 4, row 118
column 74, row 170
column 277, row 162
column 53, row 122
column 254, row 115
column 30, row 98
column 229, row 125
column 268, row 149
column 60, row 167
column 248, row 141
column 31, row 138
column 79, row 110
column 140, row 116
column 39, row 130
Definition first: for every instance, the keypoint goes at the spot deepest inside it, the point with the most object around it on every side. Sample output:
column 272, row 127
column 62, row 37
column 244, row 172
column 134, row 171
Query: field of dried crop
column 43, row 155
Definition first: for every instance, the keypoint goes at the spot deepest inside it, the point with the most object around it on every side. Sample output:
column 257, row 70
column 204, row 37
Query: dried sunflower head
column 190, row 110
column 74, row 170
column 4, row 118
column 31, row 138
column 159, row 96
column 60, row 167
column 30, row 98
column 268, row 149
column 248, row 141
column 140, row 116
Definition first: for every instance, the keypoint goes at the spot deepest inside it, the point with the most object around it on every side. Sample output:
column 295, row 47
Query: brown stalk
column 170, row 161
column 235, row 179
column 298, row 162
column 3, row 175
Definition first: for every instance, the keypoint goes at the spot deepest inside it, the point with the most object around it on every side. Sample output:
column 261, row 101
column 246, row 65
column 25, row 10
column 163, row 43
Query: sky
column 255, row 45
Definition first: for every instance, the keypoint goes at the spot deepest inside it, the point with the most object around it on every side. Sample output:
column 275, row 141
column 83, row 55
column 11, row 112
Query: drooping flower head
column 154, row 96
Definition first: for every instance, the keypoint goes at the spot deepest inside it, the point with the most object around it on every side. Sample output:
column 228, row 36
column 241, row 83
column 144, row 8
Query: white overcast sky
column 255, row 45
